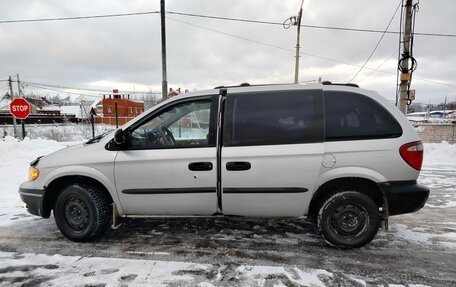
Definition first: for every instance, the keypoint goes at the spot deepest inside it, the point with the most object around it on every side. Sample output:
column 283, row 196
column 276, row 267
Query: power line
column 66, row 87
column 376, row 31
column 434, row 82
column 77, row 17
column 59, row 91
column 232, row 35
column 81, row 89
column 303, row 53
column 225, row 18
column 49, row 86
column 379, row 66
column 304, row 25
column 378, row 43
column 268, row 44
column 218, row 18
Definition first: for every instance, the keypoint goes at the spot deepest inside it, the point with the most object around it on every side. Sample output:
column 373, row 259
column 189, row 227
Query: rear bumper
column 33, row 199
column 404, row 196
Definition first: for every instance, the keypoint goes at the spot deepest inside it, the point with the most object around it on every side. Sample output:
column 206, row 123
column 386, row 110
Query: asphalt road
column 420, row 248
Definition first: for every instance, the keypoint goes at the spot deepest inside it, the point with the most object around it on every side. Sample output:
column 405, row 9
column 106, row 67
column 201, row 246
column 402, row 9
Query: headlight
column 32, row 173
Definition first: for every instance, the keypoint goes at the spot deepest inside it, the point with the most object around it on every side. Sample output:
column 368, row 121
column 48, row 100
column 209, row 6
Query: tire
column 82, row 213
column 348, row 219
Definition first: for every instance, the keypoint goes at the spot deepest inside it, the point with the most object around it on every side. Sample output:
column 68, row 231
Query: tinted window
column 350, row 116
column 182, row 125
column 268, row 118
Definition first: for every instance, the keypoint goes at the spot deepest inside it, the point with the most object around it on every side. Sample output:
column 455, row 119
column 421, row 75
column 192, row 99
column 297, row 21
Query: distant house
column 438, row 116
column 41, row 112
column 73, row 110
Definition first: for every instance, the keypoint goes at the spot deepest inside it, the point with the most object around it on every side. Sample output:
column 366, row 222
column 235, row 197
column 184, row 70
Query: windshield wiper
column 96, row 138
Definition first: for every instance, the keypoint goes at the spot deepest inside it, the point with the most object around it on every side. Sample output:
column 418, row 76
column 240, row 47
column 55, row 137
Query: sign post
column 20, row 109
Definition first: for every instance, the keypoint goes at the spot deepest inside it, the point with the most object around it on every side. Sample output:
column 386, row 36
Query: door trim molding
column 169, row 190
column 265, row 190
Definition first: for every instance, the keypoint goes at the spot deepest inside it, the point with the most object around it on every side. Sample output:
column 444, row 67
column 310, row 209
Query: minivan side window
column 351, row 116
column 273, row 117
column 183, row 125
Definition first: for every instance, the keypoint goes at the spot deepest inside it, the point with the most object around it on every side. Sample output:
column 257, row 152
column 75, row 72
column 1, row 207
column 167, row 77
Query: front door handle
column 200, row 166
column 238, row 165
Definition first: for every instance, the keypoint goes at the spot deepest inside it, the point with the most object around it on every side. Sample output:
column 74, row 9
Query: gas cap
column 328, row 161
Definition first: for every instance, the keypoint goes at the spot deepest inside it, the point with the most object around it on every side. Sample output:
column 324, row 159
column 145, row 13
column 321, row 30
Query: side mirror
column 119, row 137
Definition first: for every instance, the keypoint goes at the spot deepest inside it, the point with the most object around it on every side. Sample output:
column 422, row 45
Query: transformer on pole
column 407, row 63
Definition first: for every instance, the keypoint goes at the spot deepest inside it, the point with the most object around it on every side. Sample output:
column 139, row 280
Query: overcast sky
column 125, row 52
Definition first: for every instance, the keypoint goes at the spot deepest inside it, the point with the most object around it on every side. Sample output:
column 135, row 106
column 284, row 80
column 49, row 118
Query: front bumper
column 33, row 199
column 404, row 196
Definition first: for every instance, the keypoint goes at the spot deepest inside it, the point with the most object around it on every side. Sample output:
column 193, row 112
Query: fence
column 68, row 132
column 435, row 133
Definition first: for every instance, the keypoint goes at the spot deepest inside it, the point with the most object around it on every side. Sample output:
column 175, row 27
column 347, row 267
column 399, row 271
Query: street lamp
column 296, row 21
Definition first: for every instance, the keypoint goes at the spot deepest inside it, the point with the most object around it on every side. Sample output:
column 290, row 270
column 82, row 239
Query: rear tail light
column 412, row 153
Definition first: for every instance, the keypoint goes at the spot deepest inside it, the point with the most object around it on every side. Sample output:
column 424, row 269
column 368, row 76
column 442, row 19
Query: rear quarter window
column 351, row 116
column 275, row 117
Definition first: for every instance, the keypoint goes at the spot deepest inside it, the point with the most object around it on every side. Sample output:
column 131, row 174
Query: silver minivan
column 343, row 157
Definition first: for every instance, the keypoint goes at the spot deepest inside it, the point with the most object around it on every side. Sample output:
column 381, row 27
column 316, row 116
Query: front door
column 168, row 165
column 272, row 151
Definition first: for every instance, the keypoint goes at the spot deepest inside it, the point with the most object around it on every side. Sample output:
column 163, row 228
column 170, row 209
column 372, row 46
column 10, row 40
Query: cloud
column 126, row 51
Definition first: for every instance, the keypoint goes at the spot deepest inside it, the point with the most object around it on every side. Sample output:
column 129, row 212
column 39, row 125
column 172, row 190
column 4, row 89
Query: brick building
column 127, row 109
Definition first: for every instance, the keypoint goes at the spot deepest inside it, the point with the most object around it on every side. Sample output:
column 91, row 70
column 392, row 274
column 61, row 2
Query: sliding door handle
column 238, row 165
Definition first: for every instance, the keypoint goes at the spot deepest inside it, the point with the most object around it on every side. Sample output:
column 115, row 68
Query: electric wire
column 302, row 53
column 78, row 17
column 82, row 89
column 224, row 18
column 216, row 18
column 304, row 25
column 49, row 86
column 66, row 87
column 379, row 66
column 378, row 42
column 60, row 91
column 231, row 35
column 271, row 45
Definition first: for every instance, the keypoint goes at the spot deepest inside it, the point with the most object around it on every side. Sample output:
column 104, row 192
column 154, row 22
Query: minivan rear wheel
column 81, row 213
column 348, row 219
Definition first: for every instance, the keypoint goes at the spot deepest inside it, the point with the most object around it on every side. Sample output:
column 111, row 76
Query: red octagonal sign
column 20, row 108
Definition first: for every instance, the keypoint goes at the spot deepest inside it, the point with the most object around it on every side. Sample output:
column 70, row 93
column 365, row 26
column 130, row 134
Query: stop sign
column 20, row 108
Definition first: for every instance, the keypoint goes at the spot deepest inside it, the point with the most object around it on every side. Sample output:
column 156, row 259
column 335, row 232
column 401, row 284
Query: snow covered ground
column 418, row 250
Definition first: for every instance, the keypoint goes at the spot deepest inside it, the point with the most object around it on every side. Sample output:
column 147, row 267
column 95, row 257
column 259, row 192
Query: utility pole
column 163, row 45
column 298, row 44
column 444, row 107
column 10, row 83
column 18, row 85
column 405, row 63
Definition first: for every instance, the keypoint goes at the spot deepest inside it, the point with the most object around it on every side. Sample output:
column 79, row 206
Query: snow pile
column 16, row 151
column 15, row 159
column 439, row 154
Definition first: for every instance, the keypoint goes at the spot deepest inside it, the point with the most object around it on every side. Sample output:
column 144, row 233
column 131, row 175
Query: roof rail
column 245, row 84
column 327, row 83
column 249, row 85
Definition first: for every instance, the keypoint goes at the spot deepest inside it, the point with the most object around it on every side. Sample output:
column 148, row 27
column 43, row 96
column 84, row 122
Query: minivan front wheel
column 81, row 213
column 348, row 219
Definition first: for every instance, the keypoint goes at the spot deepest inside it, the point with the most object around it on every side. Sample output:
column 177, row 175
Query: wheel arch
column 57, row 184
column 330, row 187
